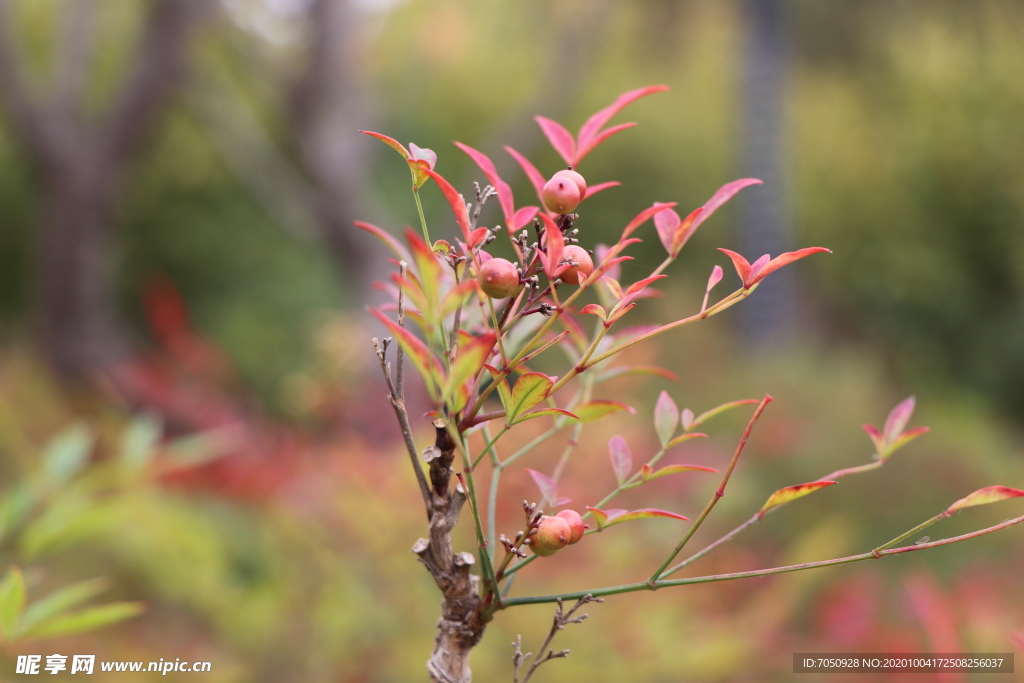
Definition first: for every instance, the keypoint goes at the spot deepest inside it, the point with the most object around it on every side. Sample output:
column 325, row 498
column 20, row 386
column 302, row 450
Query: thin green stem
column 666, row 583
column 492, row 511
column 916, row 530
column 485, row 560
column 489, row 446
column 423, row 219
column 724, row 539
column 718, row 493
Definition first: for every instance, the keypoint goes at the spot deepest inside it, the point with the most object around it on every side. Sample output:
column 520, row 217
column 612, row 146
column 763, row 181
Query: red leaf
column 548, row 487
column 622, row 457
column 594, row 309
column 600, row 256
column 555, row 243
column 897, row 419
column 724, row 194
column 687, row 418
column 876, row 437
column 638, row 286
column 522, row 216
column 589, row 130
column 423, row 154
column 476, row 237
column 500, row 186
column 601, row 137
column 455, row 200
column 390, row 142
column 392, row 243
column 741, row 264
column 989, row 494
column 716, row 277
column 536, row 179
column 666, row 417
column 685, row 230
column 643, row 217
column 428, row 366
column 600, row 187
column 559, row 137
column 785, row 260
column 666, row 223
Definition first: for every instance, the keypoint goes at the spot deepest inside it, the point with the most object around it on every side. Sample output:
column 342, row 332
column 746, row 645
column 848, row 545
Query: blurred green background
column 177, row 184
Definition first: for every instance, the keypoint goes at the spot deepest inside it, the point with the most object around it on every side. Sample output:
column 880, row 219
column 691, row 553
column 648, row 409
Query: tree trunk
column 75, row 317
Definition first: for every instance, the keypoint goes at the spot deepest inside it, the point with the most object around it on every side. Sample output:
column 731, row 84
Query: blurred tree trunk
column 81, row 168
column 763, row 219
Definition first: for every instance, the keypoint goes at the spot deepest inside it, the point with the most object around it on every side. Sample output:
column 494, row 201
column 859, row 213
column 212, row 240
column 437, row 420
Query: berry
column 551, row 535
column 498, row 278
column 576, row 254
column 576, row 178
column 561, row 194
column 576, row 525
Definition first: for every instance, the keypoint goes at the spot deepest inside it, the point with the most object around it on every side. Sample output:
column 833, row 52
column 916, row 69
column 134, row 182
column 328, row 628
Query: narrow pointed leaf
column 559, row 137
column 595, row 410
column 644, row 216
column 12, row 601
column 724, row 194
column 455, row 201
column 499, row 185
column 785, row 260
column 470, row 357
column 621, row 456
column 430, row 274
column 683, row 438
column 666, row 417
column 389, row 241
column 876, row 437
column 715, row 277
column 897, row 420
column 687, row 419
column 601, row 137
column 591, row 129
column 521, row 217
column 529, row 390
column 536, row 179
column 428, row 366
column 685, row 231
column 741, row 264
column 639, row 285
column 548, row 487
column 61, row 601
column 390, row 142
column 989, row 494
column 87, row 619
column 594, row 309
column 555, row 243
column 601, row 187
column 905, row 438
column 606, row 518
column 546, row 411
column 707, row 415
column 791, row 493
column 666, row 223
column 677, row 469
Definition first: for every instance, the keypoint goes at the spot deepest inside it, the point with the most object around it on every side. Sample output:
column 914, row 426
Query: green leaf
column 606, row 518
column 989, row 494
column 61, row 601
column 425, row 362
column 12, row 601
column 682, row 438
column 595, row 410
column 705, row 416
column 648, row 472
column 791, row 493
column 545, row 411
column 529, row 390
column 666, row 417
column 68, row 453
column 87, row 619
column 139, row 442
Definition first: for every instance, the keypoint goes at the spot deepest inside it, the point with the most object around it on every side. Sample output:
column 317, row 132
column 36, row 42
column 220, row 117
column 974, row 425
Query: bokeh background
column 188, row 401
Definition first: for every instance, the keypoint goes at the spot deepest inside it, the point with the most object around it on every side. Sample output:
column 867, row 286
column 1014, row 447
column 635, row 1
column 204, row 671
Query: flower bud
column 579, row 255
column 498, row 278
column 552, row 534
column 576, row 525
column 561, row 194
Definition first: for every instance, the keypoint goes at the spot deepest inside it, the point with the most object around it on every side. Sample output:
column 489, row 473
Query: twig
column 398, row 403
column 561, row 620
column 400, row 356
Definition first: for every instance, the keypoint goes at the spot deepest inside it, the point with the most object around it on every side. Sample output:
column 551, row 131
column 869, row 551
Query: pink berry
column 576, row 178
column 578, row 255
column 576, row 525
column 498, row 278
column 551, row 535
column 561, row 194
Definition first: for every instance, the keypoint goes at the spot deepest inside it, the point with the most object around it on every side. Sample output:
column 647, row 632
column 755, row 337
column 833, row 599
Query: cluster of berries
column 500, row 278
column 554, row 533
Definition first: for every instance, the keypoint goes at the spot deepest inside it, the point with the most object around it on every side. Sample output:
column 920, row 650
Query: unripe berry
column 552, row 535
column 576, row 525
column 561, row 194
column 576, row 178
column 498, row 278
column 576, row 254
